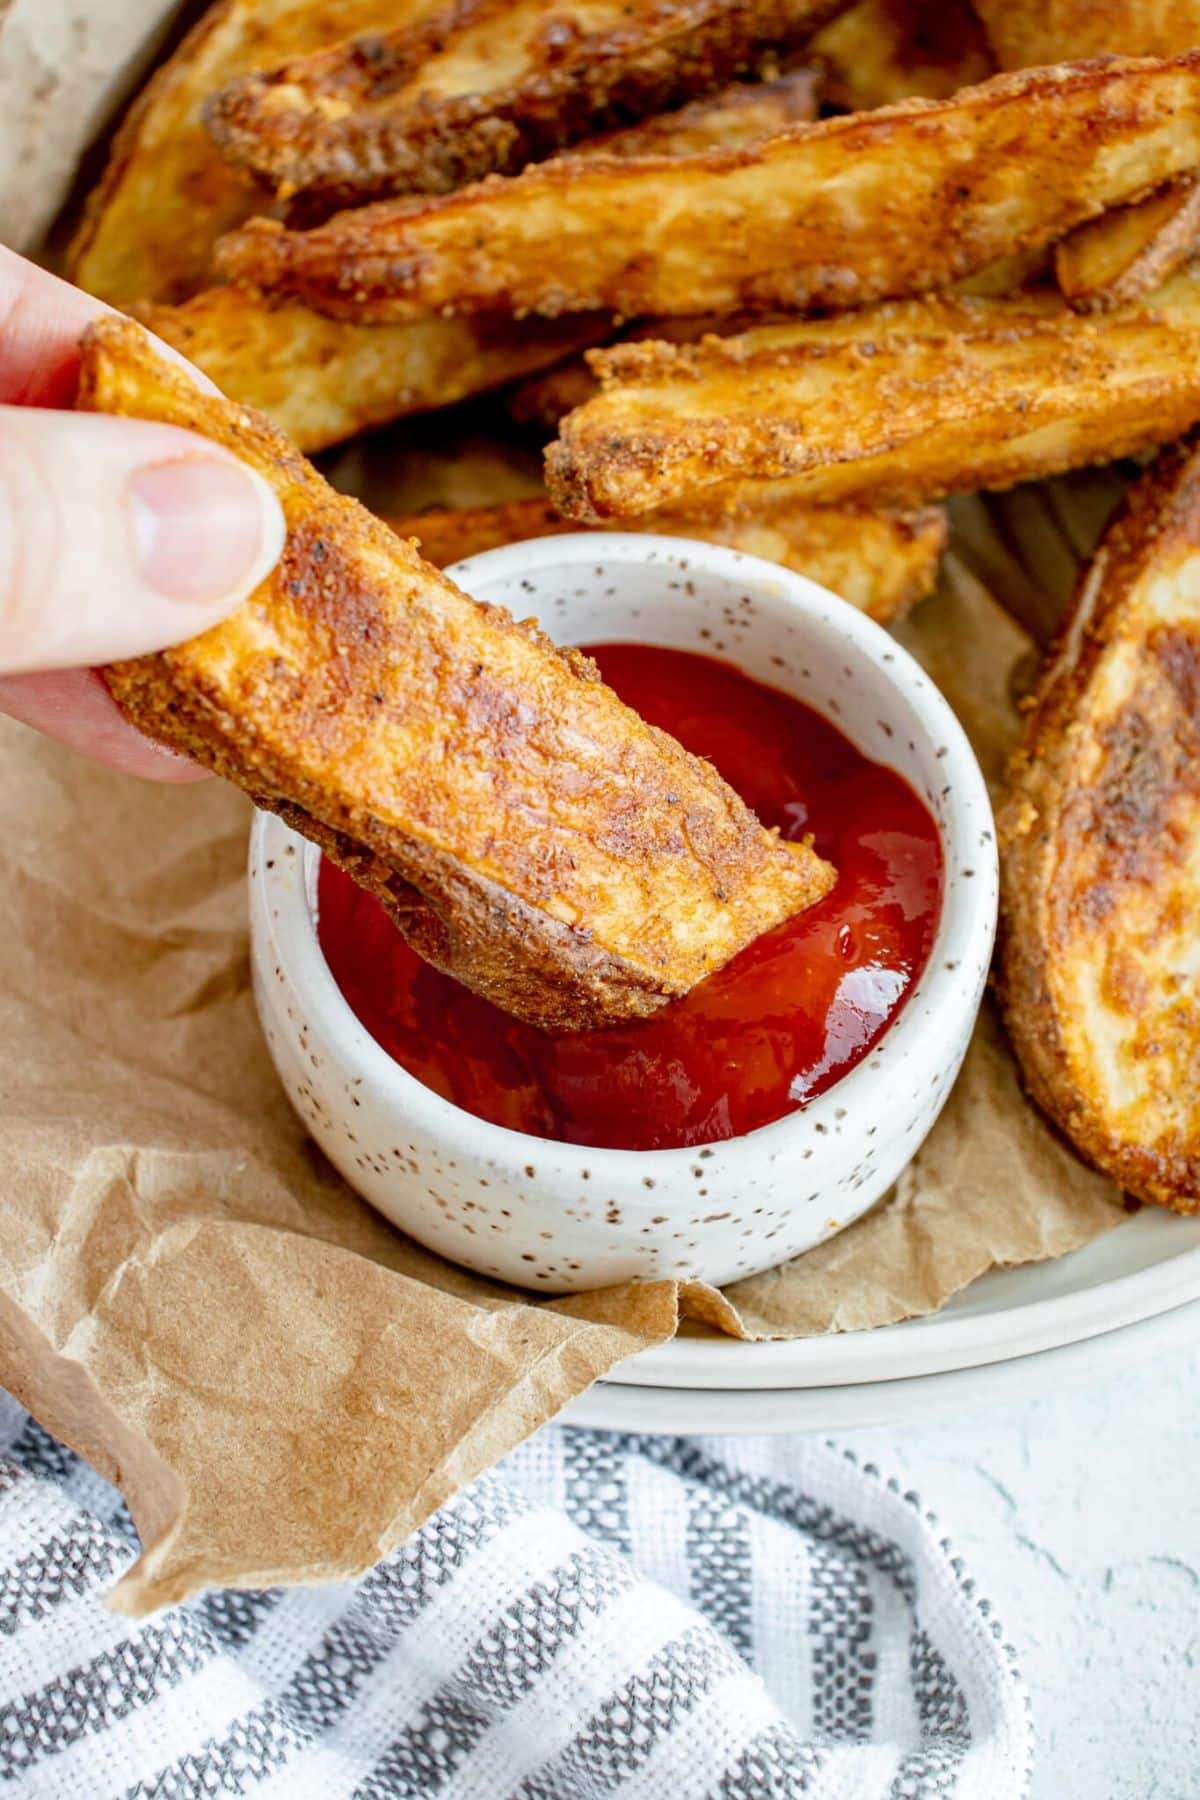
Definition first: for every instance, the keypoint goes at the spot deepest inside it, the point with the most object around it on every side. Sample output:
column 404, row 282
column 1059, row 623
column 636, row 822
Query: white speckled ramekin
column 556, row 1217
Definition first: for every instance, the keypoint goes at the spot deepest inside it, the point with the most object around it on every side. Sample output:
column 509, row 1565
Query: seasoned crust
column 881, row 411
column 529, row 833
column 487, row 86
column 1100, row 853
column 881, row 562
column 811, row 217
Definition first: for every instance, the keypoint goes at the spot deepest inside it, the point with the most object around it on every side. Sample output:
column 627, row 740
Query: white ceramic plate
column 610, row 1406
column 1148, row 1265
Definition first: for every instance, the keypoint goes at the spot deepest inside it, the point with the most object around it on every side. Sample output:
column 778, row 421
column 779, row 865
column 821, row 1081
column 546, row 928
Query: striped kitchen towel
column 649, row 1618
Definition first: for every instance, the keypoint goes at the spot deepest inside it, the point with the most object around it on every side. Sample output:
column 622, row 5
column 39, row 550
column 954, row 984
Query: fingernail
column 205, row 530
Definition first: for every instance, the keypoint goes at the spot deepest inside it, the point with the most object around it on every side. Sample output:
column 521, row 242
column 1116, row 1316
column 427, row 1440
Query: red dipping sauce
column 777, row 1026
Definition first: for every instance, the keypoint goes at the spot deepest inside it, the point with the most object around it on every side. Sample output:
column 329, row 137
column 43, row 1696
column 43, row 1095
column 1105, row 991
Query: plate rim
column 939, row 1343
column 691, row 1412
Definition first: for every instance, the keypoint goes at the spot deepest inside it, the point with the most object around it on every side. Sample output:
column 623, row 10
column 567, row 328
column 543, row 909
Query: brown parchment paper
column 283, row 1386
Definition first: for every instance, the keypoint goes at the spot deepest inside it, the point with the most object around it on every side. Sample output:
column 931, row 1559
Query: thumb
column 118, row 536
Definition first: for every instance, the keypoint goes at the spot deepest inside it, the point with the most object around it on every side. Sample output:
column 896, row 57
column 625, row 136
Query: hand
column 117, row 536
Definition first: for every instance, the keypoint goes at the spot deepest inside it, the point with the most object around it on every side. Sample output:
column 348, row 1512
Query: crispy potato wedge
column 1100, row 853
column 166, row 196
column 882, row 419
column 1023, row 33
column 529, row 833
column 883, row 563
column 901, row 200
column 486, row 87
column 320, row 380
column 545, row 400
column 1127, row 253
column 881, row 51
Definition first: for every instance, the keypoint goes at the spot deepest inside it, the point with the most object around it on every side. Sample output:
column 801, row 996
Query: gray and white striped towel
column 645, row 1618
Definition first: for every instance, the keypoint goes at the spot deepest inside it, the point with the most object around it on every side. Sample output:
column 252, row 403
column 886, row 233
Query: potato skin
column 815, row 217
column 1100, row 866
column 487, row 88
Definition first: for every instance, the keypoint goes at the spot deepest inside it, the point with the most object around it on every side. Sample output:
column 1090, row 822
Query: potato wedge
column 320, row 380
column 1127, row 253
column 166, row 196
column 879, row 419
column 902, row 200
column 881, row 51
column 883, row 563
column 545, row 400
column 1023, row 33
column 488, row 87
column 529, row 833
column 1100, row 853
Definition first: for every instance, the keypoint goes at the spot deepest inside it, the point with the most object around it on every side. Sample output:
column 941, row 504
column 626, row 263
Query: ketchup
column 777, row 1026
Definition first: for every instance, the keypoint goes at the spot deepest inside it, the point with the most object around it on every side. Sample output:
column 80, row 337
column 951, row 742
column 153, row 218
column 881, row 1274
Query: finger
column 74, row 707
column 41, row 321
column 118, row 536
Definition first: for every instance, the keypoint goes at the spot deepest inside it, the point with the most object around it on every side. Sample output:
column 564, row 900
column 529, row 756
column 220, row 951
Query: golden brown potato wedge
column 877, row 418
column 1023, row 33
column 545, row 400
column 321, row 380
column 1010, row 275
column 1100, row 853
column 167, row 195
column 881, row 562
column 1130, row 251
column 486, row 87
column 902, row 200
column 529, row 833
column 881, row 51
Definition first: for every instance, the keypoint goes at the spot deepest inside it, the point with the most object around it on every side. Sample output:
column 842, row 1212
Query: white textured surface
column 1079, row 1514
